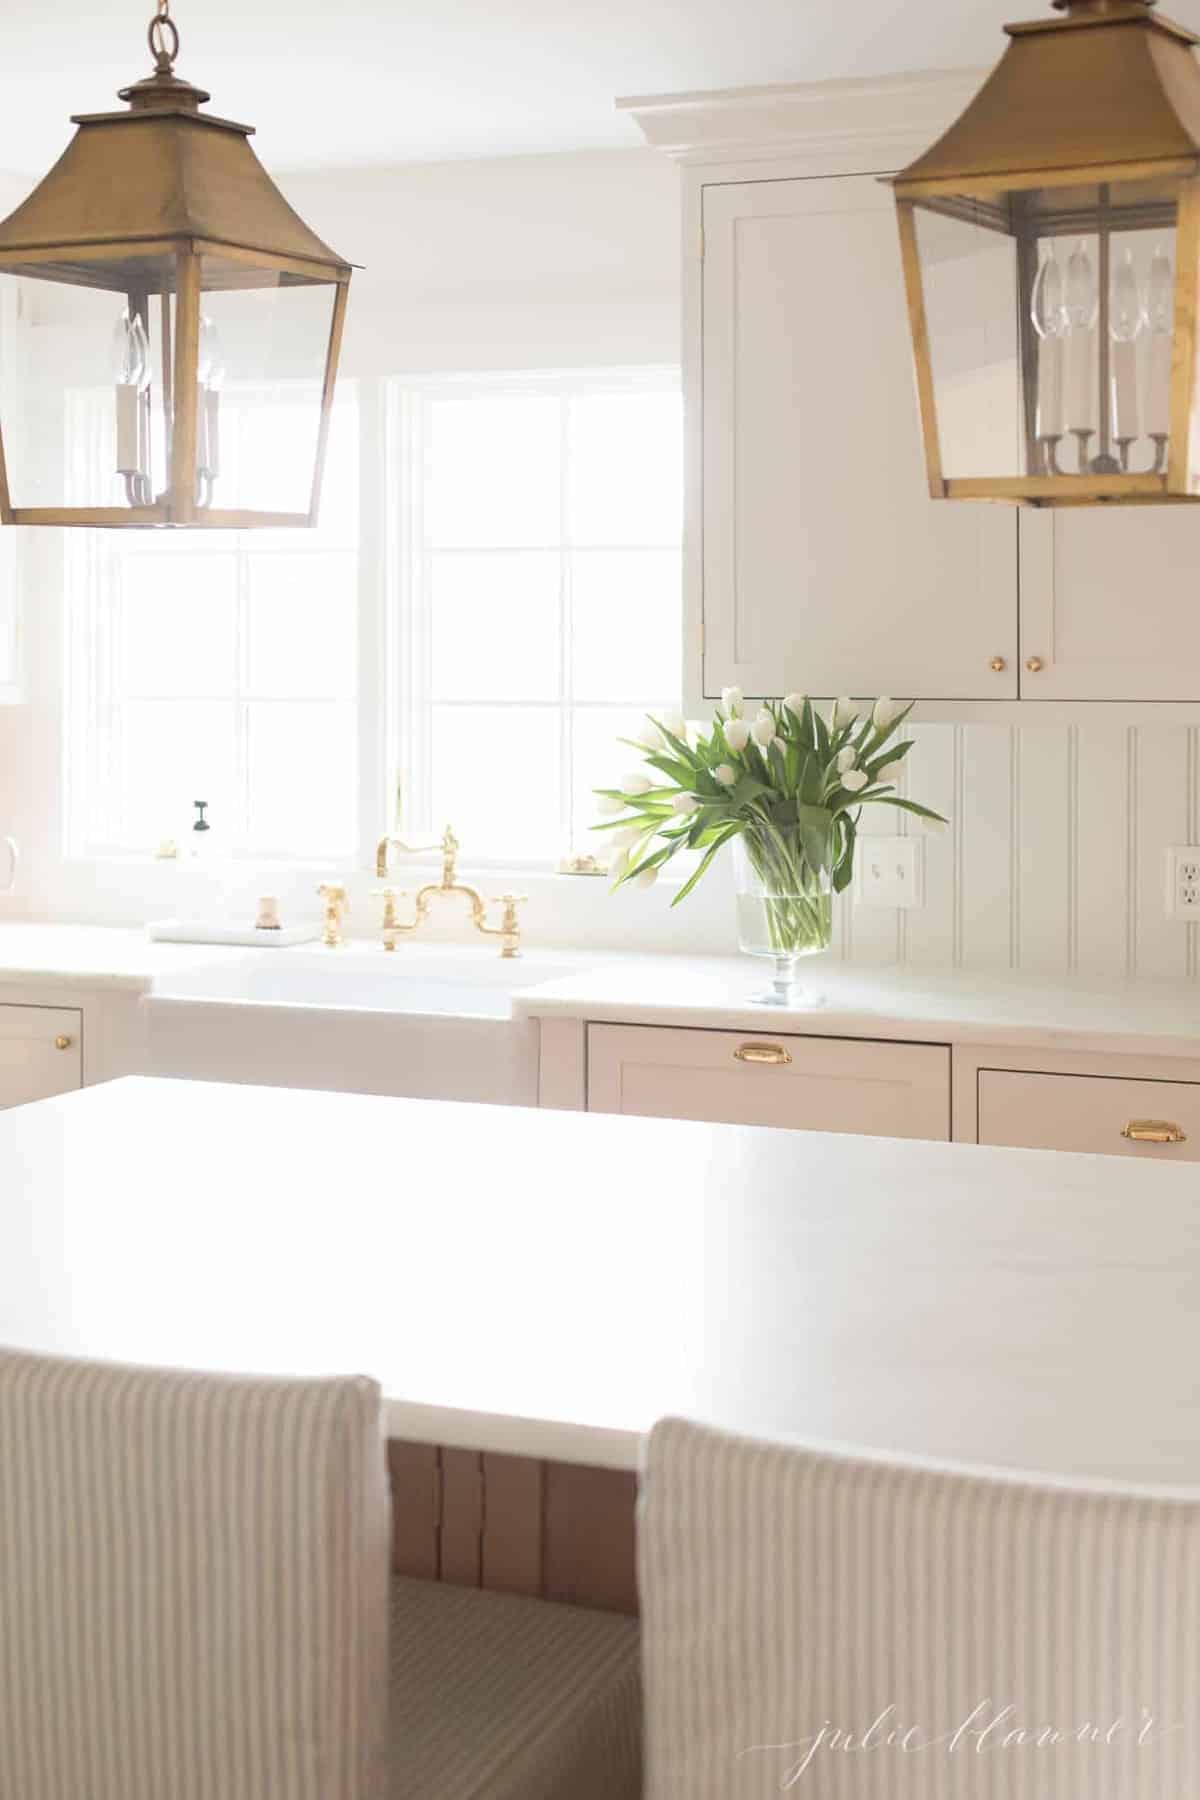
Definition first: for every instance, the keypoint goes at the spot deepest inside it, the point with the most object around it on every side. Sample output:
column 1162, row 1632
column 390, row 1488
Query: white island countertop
column 550, row 1283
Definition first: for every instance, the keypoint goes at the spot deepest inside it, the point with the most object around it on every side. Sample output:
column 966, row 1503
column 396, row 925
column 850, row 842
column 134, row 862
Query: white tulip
column 637, row 783
column 647, row 878
column 795, row 703
column 649, row 737
column 764, row 730
column 608, row 809
column 885, row 712
column 725, row 775
column 843, row 711
column 887, row 771
column 846, row 759
column 621, row 840
column 854, row 780
column 684, row 803
column 677, row 726
column 731, row 701
column 618, row 865
column 737, row 734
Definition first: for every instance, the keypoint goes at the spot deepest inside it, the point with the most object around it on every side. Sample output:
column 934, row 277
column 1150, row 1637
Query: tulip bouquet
column 788, row 785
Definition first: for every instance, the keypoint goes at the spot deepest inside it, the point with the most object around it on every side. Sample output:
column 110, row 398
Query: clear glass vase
column 784, row 908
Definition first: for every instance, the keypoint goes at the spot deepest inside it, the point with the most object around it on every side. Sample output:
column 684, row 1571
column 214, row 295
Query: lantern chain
column 163, row 38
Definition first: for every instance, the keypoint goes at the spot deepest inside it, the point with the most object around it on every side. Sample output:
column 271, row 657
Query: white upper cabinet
column 1109, row 604
column 10, row 646
column 826, row 567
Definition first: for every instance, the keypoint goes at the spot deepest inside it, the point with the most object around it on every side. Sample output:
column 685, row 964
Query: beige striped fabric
column 193, row 1585
column 855, row 1628
column 496, row 1697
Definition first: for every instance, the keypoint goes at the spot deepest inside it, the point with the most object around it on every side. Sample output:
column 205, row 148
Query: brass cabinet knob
column 762, row 1053
column 1035, row 665
column 63, row 1043
column 1154, row 1131
column 998, row 665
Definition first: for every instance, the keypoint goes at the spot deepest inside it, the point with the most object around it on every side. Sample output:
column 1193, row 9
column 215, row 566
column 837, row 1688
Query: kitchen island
column 542, row 1286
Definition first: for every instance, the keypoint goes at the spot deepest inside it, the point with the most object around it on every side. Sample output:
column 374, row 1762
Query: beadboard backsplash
column 1055, row 859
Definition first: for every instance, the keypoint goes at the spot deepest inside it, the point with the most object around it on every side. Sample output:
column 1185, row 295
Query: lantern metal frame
column 1107, row 95
column 164, row 181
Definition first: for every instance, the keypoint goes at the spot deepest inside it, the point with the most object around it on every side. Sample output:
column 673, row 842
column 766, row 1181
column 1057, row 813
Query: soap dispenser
column 201, row 846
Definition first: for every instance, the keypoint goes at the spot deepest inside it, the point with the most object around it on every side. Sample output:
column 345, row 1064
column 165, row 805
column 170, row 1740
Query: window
column 539, row 598
column 220, row 667
column 511, row 561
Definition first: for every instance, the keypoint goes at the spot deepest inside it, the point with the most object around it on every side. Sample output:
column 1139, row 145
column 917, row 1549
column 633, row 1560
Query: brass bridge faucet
column 508, row 930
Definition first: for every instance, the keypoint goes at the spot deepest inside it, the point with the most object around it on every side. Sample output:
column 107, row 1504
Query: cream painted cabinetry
column 41, row 1053
column 1158, row 1121
column 814, row 556
column 825, row 565
column 764, row 1078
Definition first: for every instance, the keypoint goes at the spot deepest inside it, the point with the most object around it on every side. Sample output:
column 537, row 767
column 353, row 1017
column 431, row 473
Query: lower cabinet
column 806, row 1083
column 41, row 1053
column 1114, row 1115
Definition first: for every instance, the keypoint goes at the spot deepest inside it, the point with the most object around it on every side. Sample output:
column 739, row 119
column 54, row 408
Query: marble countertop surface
column 942, row 1006
column 550, row 1283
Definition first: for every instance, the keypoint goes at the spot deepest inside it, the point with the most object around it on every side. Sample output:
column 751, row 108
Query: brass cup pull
column 63, row 1043
column 998, row 665
column 1154, row 1131
column 763, row 1053
column 1035, row 665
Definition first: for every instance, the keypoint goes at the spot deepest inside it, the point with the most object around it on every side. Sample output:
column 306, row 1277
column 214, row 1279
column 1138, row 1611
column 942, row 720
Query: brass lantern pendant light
column 180, row 326
column 1051, row 251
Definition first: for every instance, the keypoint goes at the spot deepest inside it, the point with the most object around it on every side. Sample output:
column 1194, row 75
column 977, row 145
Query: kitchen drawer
column 41, row 1053
column 768, row 1078
column 1087, row 1112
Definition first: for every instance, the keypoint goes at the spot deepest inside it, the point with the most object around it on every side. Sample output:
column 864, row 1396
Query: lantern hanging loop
column 163, row 38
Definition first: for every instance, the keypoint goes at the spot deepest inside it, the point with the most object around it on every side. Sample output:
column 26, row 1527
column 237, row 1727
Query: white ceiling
column 374, row 81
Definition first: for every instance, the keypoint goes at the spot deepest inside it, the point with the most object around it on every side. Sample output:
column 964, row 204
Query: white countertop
column 550, row 1283
column 1133, row 1018
column 94, row 956
column 1142, row 1018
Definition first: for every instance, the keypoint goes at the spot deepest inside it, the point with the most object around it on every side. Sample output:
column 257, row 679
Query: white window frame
column 405, row 638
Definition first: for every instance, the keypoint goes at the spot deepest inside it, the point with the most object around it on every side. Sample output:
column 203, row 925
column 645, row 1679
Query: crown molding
column 803, row 118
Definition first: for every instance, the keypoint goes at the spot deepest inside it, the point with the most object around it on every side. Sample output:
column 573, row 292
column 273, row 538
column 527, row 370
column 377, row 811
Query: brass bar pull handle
column 1154, row 1131
column 63, row 1043
column 763, row 1053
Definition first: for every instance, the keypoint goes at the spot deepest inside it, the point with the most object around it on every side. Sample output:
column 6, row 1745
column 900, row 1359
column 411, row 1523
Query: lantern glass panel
column 1051, row 315
column 85, row 393
column 264, row 343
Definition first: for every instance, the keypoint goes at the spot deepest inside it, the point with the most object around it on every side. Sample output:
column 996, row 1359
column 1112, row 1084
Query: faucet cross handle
column 509, row 928
column 337, row 904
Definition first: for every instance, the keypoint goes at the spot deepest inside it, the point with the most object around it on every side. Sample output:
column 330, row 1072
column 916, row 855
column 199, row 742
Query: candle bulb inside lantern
column 1082, row 305
column 1160, row 316
column 210, row 373
column 1049, row 321
column 1126, row 318
column 131, row 375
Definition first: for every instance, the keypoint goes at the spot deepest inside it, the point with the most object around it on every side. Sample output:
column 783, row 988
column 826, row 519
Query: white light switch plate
column 1183, row 882
column 889, row 871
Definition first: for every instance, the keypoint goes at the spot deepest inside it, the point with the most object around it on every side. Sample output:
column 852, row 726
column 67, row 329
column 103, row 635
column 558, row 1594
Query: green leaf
column 694, row 877
column 910, row 806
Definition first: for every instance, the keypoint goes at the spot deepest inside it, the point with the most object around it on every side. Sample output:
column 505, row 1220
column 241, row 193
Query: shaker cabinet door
column 751, row 1078
column 41, row 1053
column 1108, row 603
column 827, row 568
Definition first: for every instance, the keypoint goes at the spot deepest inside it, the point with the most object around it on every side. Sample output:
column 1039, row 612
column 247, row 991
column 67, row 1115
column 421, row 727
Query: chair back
column 193, row 1585
column 853, row 1628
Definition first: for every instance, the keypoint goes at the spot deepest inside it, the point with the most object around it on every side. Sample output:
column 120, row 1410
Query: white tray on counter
column 204, row 931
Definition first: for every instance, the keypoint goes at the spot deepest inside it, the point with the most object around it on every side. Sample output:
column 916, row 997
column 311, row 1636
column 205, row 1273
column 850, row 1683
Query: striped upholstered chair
column 194, row 1600
column 855, row 1628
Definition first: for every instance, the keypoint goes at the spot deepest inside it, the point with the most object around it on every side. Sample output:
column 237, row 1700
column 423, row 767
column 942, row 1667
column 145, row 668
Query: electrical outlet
column 1183, row 882
column 890, row 871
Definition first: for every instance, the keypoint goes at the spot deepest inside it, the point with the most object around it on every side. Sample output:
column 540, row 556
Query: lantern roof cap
column 161, row 170
column 1108, row 83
